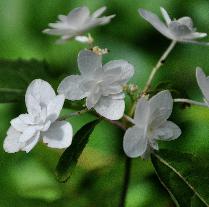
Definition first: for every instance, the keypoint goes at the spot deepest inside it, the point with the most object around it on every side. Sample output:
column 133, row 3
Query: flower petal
column 167, row 131
column 18, row 124
column 161, row 106
column 110, row 108
column 134, row 142
column 165, row 15
column 203, row 83
column 99, row 12
column 39, row 92
column 28, row 133
column 142, row 113
column 78, row 16
column 71, row 87
column 11, row 143
column 179, row 30
column 155, row 22
column 59, row 135
column 88, row 62
column 54, row 107
column 30, row 144
column 195, row 35
column 93, row 98
column 125, row 70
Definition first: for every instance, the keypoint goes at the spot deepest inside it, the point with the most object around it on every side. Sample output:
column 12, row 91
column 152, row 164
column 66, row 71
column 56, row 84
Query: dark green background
column 28, row 180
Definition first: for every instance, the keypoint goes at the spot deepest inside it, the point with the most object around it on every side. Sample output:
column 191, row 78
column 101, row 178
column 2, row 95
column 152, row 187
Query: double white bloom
column 76, row 23
column 101, row 85
column 43, row 108
column 181, row 30
column 203, row 83
column 150, row 125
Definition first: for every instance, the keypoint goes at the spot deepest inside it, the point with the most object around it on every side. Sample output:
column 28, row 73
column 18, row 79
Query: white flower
column 101, row 85
column 43, row 108
column 203, row 82
column 76, row 23
column 181, row 30
column 150, row 125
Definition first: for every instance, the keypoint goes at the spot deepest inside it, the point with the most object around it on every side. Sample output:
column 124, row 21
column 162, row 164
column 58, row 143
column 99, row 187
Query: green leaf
column 69, row 158
column 15, row 76
column 184, row 176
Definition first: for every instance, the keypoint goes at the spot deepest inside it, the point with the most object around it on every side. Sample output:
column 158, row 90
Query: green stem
column 73, row 114
column 182, row 100
column 158, row 66
column 126, row 182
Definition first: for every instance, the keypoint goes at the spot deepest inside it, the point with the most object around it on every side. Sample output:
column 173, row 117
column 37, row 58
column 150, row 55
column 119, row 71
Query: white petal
column 93, row 98
column 195, row 35
column 88, row 62
column 30, row 144
column 99, row 12
column 125, row 70
column 28, row 133
column 82, row 39
column 109, row 108
column 117, row 96
column 38, row 92
column 134, row 142
column 32, row 104
column 186, row 21
column 71, row 88
column 161, row 106
column 167, row 131
column 155, row 22
column 179, row 30
column 203, row 82
column 54, row 107
column 78, row 16
column 11, row 142
column 59, row 135
column 165, row 15
column 142, row 113
column 18, row 124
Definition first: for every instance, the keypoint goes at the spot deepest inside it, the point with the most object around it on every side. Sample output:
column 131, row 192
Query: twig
column 182, row 100
column 126, row 182
column 158, row 65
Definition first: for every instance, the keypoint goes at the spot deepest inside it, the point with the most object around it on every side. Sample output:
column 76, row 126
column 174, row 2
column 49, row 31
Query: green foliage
column 184, row 176
column 15, row 77
column 70, row 156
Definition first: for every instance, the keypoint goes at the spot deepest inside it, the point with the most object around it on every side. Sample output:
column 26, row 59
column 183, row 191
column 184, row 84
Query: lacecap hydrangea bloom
column 203, row 83
column 150, row 124
column 101, row 85
column 76, row 23
column 180, row 30
column 43, row 107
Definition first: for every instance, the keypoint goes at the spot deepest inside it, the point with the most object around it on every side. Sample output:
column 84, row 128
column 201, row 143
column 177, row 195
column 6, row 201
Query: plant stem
column 73, row 114
column 158, row 65
column 181, row 100
column 126, row 182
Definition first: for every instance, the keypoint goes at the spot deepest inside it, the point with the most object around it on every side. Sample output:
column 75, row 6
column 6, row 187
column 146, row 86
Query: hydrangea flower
column 203, row 83
column 150, row 124
column 40, row 122
column 102, row 86
column 181, row 30
column 76, row 23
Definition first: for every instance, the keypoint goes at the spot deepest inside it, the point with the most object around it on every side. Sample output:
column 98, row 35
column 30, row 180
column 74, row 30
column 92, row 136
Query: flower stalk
column 160, row 62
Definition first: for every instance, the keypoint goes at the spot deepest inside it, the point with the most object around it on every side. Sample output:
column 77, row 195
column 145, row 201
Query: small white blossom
column 181, row 30
column 76, row 23
column 43, row 108
column 150, row 124
column 101, row 85
column 203, row 82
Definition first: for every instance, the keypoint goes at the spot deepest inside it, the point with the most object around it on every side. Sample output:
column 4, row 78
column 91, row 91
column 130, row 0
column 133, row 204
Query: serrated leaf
column 184, row 176
column 69, row 158
column 15, row 75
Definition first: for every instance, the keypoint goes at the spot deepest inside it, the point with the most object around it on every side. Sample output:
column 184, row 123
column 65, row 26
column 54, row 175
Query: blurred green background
column 27, row 180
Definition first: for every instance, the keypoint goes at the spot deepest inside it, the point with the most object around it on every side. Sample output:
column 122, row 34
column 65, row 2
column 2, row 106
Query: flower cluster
column 102, row 87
